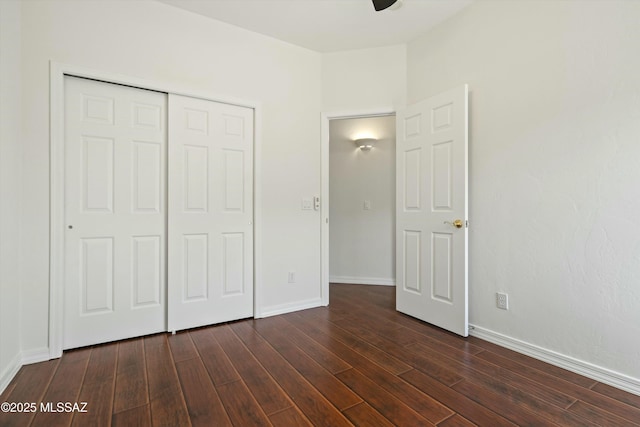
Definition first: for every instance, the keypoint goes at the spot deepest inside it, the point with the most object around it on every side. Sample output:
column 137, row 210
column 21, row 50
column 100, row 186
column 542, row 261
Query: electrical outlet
column 292, row 277
column 502, row 300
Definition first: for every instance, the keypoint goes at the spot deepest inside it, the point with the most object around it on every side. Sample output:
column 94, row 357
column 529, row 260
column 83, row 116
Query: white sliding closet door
column 210, row 233
column 115, row 144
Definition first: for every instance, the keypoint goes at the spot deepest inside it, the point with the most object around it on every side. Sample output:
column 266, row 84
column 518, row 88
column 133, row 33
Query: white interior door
column 431, row 211
column 210, row 264
column 114, row 212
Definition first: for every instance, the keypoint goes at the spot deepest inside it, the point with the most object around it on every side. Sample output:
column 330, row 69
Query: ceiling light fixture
column 365, row 144
column 379, row 5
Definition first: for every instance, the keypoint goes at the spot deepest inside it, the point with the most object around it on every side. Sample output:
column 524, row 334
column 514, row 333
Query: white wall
column 554, row 153
column 364, row 79
column 10, row 185
column 151, row 40
column 362, row 242
column 554, row 168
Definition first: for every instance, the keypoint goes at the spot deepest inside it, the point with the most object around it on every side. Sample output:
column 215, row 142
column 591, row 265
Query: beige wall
column 364, row 79
column 154, row 41
column 10, row 189
column 555, row 119
column 362, row 241
column 554, row 169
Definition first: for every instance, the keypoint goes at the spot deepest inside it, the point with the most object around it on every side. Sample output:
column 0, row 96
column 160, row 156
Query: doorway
column 363, row 205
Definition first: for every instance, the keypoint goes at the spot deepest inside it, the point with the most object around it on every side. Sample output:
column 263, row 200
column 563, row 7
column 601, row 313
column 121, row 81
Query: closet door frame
column 57, row 71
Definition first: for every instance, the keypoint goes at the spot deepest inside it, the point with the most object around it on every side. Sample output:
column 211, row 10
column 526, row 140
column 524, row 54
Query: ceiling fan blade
column 379, row 5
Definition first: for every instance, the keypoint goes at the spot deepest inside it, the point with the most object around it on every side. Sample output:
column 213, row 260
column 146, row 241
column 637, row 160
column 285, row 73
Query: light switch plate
column 307, row 204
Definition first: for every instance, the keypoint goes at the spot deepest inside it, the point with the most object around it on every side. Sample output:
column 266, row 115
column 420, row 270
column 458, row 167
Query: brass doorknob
column 457, row 223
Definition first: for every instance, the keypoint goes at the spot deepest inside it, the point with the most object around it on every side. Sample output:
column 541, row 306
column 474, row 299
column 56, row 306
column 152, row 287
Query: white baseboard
column 21, row 359
column 362, row 280
column 597, row 373
column 35, row 356
column 288, row 308
column 10, row 372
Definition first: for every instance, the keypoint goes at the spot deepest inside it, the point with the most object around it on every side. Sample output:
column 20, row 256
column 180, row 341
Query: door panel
column 431, row 165
column 96, row 276
column 147, row 278
column 97, row 174
column 115, row 140
column 412, row 179
column 195, row 178
column 196, row 256
column 147, row 177
column 412, row 261
column 210, row 231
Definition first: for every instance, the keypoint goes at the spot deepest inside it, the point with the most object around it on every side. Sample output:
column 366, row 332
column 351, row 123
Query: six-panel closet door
column 154, row 242
column 211, row 212
column 115, row 164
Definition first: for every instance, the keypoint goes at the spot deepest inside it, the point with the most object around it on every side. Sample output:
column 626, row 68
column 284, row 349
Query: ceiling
column 328, row 25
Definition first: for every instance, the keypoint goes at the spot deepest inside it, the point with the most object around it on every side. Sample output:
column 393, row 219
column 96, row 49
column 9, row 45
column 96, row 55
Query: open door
column 431, row 211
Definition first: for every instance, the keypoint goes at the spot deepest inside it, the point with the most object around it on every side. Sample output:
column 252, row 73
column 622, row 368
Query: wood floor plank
column 390, row 363
column 382, row 401
column 265, row 390
column 378, row 315
column 203, row 403
column 612, row 406
column 317, row 352
column 414, row 359
column 64, row 387
column 514, row 409
column 98, row 387
column 363, row 414
column 457, row 402
column 242, row 407
column 335, row 334
column 600, row 416
column 310, row 401
column 355, row 362
column 335, row 391
column 432, row 332
column 131, row 376
column 431, row 409
column 527, row 371
column 218, row 365
column 498, row 378
column 289, row 417
column 182, row 347
column 31, row 383
column 617, row 394
column 7, row 391
column 534, row 363
column 139, row 416
column 456, row 421
column 586, row 395
column 393, row 333
column 166, row 401
column 526, row 394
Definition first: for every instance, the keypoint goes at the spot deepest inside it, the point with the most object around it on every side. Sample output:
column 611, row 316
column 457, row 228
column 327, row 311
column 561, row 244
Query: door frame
column 324, row 184
column 57, row 72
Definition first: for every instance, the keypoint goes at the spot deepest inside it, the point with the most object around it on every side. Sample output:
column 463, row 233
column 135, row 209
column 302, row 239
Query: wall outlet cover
column 502, row 300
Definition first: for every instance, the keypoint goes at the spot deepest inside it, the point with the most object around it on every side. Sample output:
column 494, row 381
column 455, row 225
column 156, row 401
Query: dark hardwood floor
column 356, row 362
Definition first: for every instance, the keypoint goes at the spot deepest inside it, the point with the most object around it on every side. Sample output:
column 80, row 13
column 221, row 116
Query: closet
column 158, row 210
